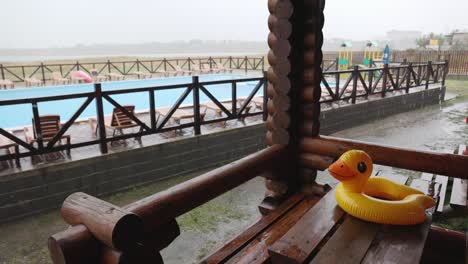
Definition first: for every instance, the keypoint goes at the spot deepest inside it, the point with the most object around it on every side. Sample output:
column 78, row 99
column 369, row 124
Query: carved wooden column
column 295, row 56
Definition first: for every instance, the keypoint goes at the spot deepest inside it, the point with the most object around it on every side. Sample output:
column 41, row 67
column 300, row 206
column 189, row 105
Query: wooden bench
column 305, row 229
column 458, row 198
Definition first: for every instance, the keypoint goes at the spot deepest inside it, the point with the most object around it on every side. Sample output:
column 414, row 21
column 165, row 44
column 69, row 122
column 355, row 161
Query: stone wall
column 29, row 192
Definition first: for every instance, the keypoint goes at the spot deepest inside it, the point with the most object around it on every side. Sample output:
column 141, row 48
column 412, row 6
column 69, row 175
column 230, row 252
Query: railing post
column 100, row 118
column 2, row 71
column 265, row 96
column 108, row 66
column 246, row 60
column 446, row 70
column 37, row 126
column 196, row 105
column 43, row 73
column 397, row 81
column 371, row 75
column 355, row 82
column 165, row 64
column 138, row 64
column 263, row 64
column 418, row 81
column 152, row 110
column 436, row 77
column 408, row 76
column 428, row 73
column 384, row 80
column 210, row 60
column 234, row 98
column 189, row 61
column 230, row 62
column 77, row 66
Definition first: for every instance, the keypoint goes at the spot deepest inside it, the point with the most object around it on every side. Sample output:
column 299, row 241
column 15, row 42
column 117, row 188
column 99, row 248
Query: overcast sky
column 46, row 23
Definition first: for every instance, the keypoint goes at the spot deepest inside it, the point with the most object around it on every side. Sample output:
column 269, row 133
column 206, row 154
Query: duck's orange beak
column 340, row 171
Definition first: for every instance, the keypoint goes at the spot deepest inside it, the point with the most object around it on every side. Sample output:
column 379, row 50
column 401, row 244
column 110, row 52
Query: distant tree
column 425, row 40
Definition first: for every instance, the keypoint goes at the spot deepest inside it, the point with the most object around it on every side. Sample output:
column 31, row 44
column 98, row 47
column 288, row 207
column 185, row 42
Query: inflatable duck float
column 376, row 199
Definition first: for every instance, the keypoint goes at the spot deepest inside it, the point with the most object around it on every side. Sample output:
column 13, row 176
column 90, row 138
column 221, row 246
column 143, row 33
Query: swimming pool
column 20, row 115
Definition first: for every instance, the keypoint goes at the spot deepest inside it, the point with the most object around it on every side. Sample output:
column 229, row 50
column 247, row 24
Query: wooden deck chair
column 183, row 113
column 50, row 125
column 117, row 122
column 6, row 84
column 144, row 75
column 115, row 76
column 30, row 82
column 57, row 79
column 96, row 76
column 220, row 68
column 10, row 147
column 202, row 68
column 228, row 105
column 179, row 71
column 257, row 101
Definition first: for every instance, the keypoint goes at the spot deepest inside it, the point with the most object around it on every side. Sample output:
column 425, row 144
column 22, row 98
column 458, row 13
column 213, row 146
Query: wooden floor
column 311, row 229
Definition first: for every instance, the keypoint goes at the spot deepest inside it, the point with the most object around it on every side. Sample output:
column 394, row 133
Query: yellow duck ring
column 376, row 199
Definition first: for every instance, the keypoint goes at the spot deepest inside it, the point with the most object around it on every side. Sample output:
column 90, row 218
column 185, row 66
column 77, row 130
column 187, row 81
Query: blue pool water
column 20, row 115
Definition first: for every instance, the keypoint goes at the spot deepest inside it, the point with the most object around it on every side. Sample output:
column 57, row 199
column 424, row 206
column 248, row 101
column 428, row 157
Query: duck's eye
column 362, row 167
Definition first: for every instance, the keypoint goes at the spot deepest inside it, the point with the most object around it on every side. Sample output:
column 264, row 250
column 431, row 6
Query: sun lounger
column 220, row 68
column 96, row 76
column 179, row 71
column 115, row 77
column 6, row 84
column 49, row 125
column 143, row 75
column 228, row 105
column 180, row 114
column 57, row 79
column 202, row 68
column 10, row 147
column 117, row 122
column 33, row 82
column 257, row 101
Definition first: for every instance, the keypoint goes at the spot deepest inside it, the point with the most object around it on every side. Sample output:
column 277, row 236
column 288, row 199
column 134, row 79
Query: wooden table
column 310, row 229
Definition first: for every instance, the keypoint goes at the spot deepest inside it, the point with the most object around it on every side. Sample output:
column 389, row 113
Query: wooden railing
column 43, row 71
column 363, row 82
column 196, row 88
column 349, row 86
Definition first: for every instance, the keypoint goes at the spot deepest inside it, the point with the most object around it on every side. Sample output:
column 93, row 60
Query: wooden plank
column 300, row 241
column 399, row 244
column 235, row 245
column 443, row 181
column 459, row 188
column 257, row 250
column 349, row 243
column 458, row 196
column 427, row 176
column 421, row 185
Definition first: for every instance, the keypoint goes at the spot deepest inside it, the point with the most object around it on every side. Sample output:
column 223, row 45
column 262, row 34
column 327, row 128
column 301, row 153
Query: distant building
column 460, row 37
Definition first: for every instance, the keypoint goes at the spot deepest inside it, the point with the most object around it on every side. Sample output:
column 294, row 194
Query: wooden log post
column 278, row 91
column 295, row 56
column 111, row 225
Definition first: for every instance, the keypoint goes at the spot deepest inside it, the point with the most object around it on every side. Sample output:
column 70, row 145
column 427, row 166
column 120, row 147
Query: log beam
column 425, row 161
